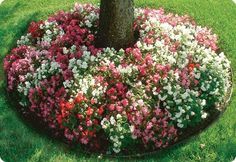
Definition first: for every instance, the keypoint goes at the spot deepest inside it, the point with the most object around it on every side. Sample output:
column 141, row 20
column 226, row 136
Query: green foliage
column 20, row 142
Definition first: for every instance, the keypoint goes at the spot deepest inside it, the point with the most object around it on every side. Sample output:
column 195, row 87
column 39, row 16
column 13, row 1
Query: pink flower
column 125, row 102
column 84, row 140
column 142, row 70
column 148, row 59
column 119, row 108
column 111, row 107
column 89, row 123
column 149, row 125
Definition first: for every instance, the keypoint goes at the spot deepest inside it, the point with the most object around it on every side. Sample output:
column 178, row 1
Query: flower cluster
column 155, row 132
column 118, row 131
column 147, row 94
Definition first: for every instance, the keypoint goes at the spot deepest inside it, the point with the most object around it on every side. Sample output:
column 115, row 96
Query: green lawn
column 19, row 142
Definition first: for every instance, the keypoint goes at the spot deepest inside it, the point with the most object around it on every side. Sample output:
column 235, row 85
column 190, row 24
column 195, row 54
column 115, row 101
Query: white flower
column 92, row 58
column 112, row 120
column 27, row 84
column 180, row 125
column 187, row 116
column 139, row 45
column 104, row 123
column 88, row 23
column 140, row 102
column 48, row 32
column 171, row 59
column 166, row 27
column 68, row 83
column 74, row 70
column 162, row 98
column 185, row 95
column 197, row 75
column 177, row 115
column 204, row 115
column 154, row 91
column 84, row 65
column 178, row 101
column 203, row 103
column 133, row 136
column 118, row 116
column 116, row 150
column 203, row 88
column 65, row 50
column 73, row 49
column 131, row 128
column 22, row 104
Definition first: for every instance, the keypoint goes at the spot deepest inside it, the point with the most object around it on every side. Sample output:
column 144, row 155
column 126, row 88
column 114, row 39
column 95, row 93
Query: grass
column 19, row 142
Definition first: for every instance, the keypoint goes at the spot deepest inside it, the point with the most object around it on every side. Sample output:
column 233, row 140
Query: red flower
column 34, row 29
column 85, row 133
column 191, row 67
column 69, row 105
column 93, row 101
column 111, row 91
column 100, row 110
column 91, row 37
column 80, row 116
column 59, row 119
column 62, row 104
column 95, row 122
column 79, row 98
column 91, row 133
column 89, row 111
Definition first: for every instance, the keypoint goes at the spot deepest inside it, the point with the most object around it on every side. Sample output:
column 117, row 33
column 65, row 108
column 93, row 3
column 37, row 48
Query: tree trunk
column 116, row 24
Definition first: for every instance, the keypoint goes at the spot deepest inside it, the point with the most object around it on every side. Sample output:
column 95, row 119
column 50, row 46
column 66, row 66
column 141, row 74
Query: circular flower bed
column 145, row 96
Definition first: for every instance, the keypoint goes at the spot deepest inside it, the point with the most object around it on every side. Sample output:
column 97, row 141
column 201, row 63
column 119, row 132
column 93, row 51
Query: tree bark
column 116, row 24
